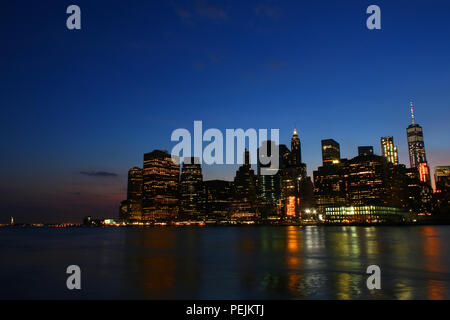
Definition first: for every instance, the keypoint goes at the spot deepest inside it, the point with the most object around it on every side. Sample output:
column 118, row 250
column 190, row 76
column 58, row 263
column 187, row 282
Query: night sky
column 79, row 108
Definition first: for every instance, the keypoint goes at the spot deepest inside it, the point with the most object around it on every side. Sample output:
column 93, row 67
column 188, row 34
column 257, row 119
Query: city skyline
column 368, row 188
column 81, row 108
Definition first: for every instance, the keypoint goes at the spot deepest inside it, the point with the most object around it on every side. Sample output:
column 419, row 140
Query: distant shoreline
column 218, row 225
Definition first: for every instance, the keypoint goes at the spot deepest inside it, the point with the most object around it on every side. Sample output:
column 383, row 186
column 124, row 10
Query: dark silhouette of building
column 331, row 153
column 296, row 149
column 219, row 195
column 365, row 150
column 161, row 186
column 269, row 185
column 285, row 155
column 192, row 190
column 245, row 192
column 135, row 184
column 132, row 207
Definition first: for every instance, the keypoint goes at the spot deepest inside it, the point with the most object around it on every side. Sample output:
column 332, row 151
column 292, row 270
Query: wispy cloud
column 98, row 174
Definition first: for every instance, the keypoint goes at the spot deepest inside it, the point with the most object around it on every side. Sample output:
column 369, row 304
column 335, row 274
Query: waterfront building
column 365, row 214
column 245, row 192
column 135, row 184
column 192, row 190
column 269, row 185
column 366, row 180
column 330, row 185
column 219, row 196
column 123, row 211
column 161, row 186
column 132, row 208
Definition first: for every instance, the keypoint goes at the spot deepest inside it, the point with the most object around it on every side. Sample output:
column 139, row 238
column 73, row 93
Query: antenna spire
column 412, row 112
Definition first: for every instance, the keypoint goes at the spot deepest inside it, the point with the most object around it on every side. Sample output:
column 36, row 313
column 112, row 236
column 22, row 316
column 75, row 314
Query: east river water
column 251, row 262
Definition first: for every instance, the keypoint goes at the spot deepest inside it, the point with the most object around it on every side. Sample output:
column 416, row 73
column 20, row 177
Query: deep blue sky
column 97, row 99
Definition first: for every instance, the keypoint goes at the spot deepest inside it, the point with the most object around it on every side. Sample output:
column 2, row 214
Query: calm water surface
column 226, row 262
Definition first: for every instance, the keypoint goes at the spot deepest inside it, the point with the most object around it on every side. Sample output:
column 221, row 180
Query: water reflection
column 432, row 252
column 289, row 262
column 229, row 262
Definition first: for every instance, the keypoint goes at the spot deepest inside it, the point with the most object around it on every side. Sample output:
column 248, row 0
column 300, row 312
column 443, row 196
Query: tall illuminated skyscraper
column 388, row 150
column 161, row 183
column 416, row 145
column 296, row 149
column 192, row 192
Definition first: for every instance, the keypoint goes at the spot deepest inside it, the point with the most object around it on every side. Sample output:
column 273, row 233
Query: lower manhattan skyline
column 79, row 111
column 224, row 159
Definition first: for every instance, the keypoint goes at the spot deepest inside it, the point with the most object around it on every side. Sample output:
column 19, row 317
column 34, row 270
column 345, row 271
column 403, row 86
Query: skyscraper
column 367, row 180
column 416, row 145
column 330, row 186
column 134, row 190
column 161, row 180
column 269, row 185
column 294, row 180
column 219, row 198
column 388, row 150
column 244, row 206
column 296, row 149
column 331, row 153
column 192, row 191
column 133, row 209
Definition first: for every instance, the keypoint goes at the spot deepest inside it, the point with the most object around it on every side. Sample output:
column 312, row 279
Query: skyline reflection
column 230, row 262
